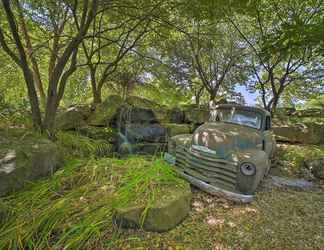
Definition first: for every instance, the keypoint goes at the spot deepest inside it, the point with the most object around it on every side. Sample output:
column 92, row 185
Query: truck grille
column 207, row 167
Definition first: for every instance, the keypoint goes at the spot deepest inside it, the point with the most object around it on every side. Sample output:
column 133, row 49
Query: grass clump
column 74, row 144
column 290, row 159
column 74, row 208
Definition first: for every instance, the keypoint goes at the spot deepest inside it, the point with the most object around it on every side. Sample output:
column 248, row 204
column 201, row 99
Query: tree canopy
column 56, row 53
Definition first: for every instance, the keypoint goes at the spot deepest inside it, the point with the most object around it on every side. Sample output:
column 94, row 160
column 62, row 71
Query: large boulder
column 316, row 166
column 140, row 102
column 99, row 133
column 154, row 111
column 105, row 112
column 73, row 118
column 306, row 133
column 309, row 113
column 177, row 129
column 170, row 208
column 177, row 115
column 196, row 115
column 145, row 132
column 148, row 148
column 26, row 159
column 129, row 114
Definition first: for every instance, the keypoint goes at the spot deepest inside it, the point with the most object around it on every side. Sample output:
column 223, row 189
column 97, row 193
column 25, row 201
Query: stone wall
column 148, row 125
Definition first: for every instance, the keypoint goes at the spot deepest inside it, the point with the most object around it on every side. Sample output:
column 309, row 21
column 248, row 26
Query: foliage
column 169, row 51
column 317, row 102
column 74, row 208
column 74, row 144
column 291, row 158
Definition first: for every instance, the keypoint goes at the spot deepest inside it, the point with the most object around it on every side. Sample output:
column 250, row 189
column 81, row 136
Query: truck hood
column 225, row 138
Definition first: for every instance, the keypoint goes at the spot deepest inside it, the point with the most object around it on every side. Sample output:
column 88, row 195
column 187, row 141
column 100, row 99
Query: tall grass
column 74, row 208
column 74, row 144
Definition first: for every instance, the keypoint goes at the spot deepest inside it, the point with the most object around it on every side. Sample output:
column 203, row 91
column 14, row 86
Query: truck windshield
column 238, row 116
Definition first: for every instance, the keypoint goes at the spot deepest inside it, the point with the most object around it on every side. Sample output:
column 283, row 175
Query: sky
column 250, row 98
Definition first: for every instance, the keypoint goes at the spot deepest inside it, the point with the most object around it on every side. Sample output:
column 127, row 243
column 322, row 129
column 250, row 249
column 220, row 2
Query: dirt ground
column 278, row 218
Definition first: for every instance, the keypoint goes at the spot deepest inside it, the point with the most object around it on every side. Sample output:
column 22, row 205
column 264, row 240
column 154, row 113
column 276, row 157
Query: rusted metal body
column 228, row 156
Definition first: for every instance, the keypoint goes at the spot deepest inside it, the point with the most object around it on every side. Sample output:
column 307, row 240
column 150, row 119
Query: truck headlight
column 248, row 168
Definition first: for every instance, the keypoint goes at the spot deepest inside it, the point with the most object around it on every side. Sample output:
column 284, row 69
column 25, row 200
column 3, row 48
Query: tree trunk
column 96, row 90
column 212, row 96
column 197, row 100
column 28, row 76
column 97, row 97
column 198, row 94
column 50, row 111
column 30, row 53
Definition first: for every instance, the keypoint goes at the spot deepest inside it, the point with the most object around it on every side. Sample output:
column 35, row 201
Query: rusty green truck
column 227, row 156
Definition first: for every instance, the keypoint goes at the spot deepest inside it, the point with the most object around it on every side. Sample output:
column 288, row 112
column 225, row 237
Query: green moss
column 105, row 111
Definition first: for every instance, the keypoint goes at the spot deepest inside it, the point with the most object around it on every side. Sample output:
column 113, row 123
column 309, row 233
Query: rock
column 105, row 112
column 137, row 115
column 170, row 209
column 318, row 172
column 25, row 160
column 196, row 116
column 74, row 117
column 308, row 133
column 316, row 166
column 162, row 115
column 177, row 116
column 149, row 148
column 99, row 133
column 145, row 133
column 293, row 183
column 177, row 129
column 315, row 112
column 140, row 102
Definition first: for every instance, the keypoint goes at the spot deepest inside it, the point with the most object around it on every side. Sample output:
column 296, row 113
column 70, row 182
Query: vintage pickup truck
column 227, row 156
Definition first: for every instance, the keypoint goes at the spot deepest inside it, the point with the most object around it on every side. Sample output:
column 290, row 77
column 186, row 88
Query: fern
column 74, row 144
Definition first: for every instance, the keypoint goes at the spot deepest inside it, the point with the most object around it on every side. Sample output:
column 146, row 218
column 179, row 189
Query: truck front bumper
column 237, row 197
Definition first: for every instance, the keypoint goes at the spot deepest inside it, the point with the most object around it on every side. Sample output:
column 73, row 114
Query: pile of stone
column 138, row 122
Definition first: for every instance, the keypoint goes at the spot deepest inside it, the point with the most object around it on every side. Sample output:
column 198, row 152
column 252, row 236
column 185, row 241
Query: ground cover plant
column 73, row 209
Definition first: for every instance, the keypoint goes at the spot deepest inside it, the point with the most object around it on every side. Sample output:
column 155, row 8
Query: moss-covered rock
column 171, row 207
column 148, row 148
column 137, row 132
column 73, row 118
column 157, row 112
column 162, row 115
column 140, row 102
column 316, row 166
column 99, row 133
column 177, row 129
column 25, row 158
column 197, row 115
column 105, row 111
column 177, row 116
column 138, row 115
column 306, row 133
